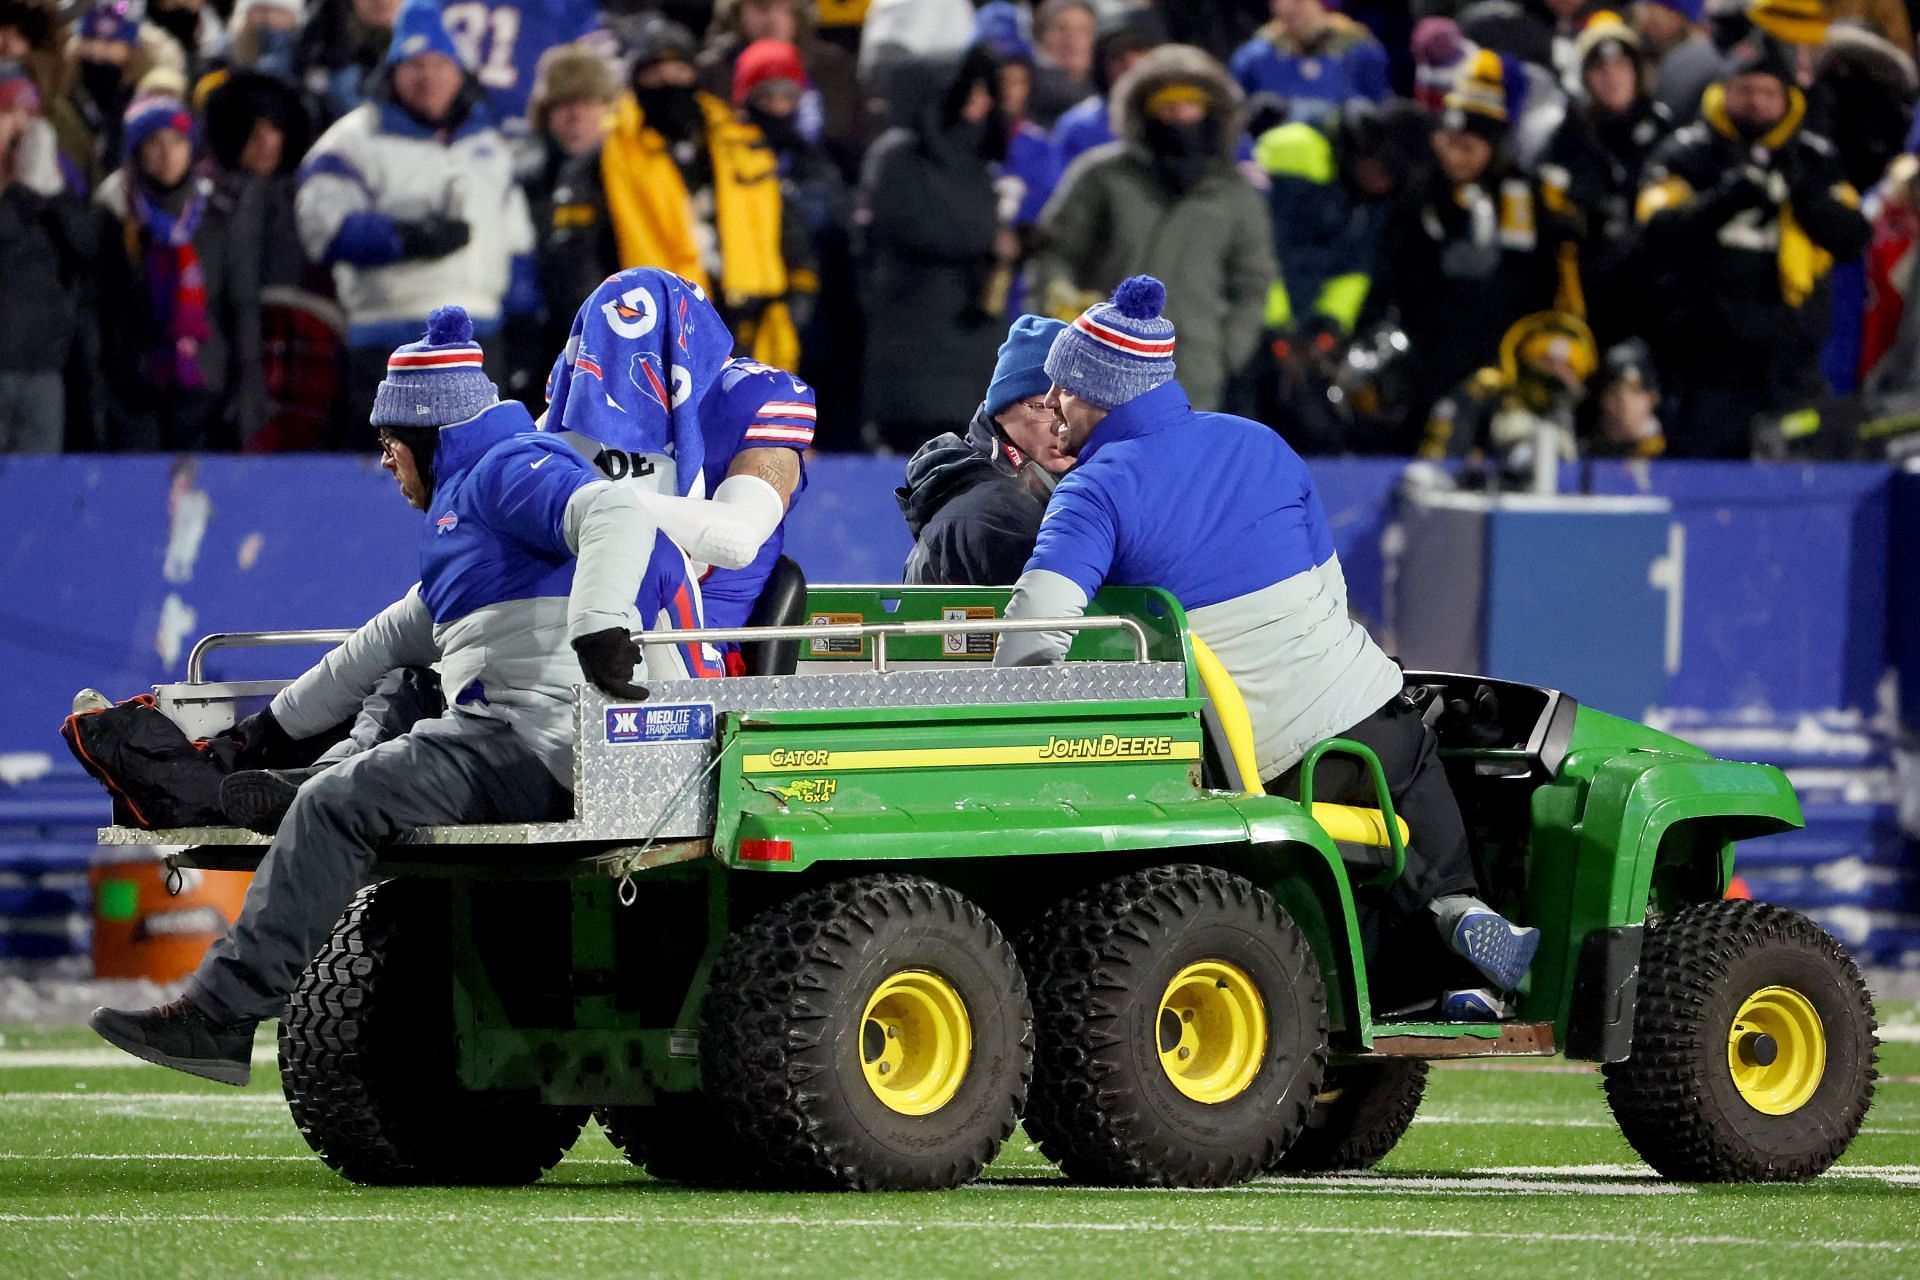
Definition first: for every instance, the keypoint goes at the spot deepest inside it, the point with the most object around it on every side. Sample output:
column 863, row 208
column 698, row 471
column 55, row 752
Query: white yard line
column 974, row 1226
column 80, row 1093
column 1351, row 1185
column 96, row 1059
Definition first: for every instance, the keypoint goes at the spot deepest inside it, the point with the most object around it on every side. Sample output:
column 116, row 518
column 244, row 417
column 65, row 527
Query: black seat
column 782, row 603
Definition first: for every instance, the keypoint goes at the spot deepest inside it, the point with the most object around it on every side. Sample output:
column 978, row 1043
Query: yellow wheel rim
column 916, row 1042
column 1212, row 1029
column 1777, row 1050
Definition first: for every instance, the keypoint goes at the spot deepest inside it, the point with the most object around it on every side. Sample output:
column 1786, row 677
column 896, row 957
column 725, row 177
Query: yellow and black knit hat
column 1477, row 103
column 1606, row 33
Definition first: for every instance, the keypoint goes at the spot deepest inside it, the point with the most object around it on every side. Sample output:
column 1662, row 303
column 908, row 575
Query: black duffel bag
column 158, row 776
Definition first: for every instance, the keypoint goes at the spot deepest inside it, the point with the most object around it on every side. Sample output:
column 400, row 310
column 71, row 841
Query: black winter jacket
column 1713, row 236
column 973, row 512
column 928, row 215
column 1597, row 159
column 46, row 244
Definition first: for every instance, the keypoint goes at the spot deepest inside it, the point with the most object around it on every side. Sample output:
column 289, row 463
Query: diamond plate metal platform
column 664, row 791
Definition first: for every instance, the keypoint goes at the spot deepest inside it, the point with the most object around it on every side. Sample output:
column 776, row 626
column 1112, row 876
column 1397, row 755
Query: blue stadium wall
column 1798, row 600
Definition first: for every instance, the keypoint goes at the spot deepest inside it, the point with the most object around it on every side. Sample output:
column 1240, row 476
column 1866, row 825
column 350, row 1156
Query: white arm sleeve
column 400, row 635
column 1040, row 593
column 612, row 533
column 727, row 530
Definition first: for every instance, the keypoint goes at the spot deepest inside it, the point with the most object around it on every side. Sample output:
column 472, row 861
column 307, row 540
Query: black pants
column 1438, row 860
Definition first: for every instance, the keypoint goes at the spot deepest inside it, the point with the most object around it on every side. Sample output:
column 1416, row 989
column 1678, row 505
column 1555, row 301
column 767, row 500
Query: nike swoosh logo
column 543, row 462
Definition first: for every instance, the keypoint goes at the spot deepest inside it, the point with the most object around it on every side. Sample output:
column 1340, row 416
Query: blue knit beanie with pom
column 1116, row 350
column 437, row 381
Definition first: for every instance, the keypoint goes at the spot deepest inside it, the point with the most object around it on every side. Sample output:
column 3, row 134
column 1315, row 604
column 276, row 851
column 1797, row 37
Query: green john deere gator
column 847, row 926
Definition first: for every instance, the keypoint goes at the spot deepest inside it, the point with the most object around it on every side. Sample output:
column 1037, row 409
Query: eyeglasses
column 387, row 445
column 1036, row 406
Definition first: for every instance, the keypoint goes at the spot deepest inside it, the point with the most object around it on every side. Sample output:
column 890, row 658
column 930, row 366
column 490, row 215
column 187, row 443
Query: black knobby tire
column 366, row 1058
column 783, row 1031
column 679, row 1139
column 1098, row 964
column 1362, row 1111
column 1676, row 1099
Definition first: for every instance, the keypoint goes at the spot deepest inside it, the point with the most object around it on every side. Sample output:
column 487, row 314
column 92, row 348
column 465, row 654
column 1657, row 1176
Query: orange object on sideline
column 1737, row 888
column 142, row 931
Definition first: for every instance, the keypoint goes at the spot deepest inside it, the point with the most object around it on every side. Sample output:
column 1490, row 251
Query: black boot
column 258, row 799
column 183, row 1036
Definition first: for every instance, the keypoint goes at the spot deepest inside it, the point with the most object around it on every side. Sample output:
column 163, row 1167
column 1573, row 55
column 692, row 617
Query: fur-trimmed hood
column 1175, row 64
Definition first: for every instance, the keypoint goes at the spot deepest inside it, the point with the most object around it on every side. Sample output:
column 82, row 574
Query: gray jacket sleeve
column 611, row 531
column 400, row 635
column 1040, row 593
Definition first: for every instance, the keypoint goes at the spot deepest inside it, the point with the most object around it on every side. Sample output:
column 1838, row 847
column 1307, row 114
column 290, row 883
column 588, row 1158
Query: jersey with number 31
column 501, row 42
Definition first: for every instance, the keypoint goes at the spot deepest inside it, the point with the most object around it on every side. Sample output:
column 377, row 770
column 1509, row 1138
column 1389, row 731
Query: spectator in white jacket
column 411, row 199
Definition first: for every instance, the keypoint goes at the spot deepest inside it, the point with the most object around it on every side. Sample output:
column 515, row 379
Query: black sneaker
column 183, row 1036
column 258, row 799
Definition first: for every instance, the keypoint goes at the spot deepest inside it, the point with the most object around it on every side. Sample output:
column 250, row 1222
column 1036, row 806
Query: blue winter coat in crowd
column 1345, row 63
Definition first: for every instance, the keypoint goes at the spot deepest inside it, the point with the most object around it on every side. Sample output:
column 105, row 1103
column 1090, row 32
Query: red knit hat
column 764, row 61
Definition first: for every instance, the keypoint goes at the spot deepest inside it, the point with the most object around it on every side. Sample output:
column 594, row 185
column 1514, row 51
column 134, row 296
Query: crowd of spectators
column 1438, row 228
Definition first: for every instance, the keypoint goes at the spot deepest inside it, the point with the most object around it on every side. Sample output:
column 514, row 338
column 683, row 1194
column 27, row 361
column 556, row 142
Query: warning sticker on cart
column 836, row 646
column 645, row 726
column 967, row 644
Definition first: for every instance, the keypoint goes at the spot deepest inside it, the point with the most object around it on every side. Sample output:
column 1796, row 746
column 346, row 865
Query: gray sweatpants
column 452, row 770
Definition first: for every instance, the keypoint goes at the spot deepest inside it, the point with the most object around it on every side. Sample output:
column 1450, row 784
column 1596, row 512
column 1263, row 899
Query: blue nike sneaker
column 1498, row 949
column 1475, row 1005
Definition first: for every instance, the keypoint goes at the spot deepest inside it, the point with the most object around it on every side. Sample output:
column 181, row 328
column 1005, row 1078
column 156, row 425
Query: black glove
column 433, row 237
column 263, row 743
column 608, row 659
column 1742, row 189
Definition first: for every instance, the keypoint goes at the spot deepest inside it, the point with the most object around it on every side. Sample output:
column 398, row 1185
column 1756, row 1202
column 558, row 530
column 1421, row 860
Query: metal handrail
column 879, row 631
column 197, row 660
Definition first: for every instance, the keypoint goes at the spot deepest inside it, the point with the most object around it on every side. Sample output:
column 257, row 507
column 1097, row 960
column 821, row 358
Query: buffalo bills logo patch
column 446, row 523
column 667, row 388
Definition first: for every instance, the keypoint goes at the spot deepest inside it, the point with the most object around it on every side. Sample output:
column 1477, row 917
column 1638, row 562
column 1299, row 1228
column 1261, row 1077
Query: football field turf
column 1511, row 1170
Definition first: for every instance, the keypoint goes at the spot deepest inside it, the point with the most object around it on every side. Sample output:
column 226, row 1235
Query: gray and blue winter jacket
column 1222, row 513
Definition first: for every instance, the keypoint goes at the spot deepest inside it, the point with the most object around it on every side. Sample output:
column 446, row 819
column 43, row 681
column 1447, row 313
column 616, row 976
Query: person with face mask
column 770, row 93
column 684, row 185
column 1743, row 214
column 569, row 111
column 1166, row 199
column 105, row 59
column 1595, row 156
column 411, row 197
